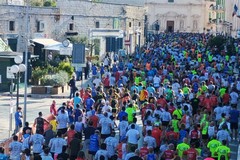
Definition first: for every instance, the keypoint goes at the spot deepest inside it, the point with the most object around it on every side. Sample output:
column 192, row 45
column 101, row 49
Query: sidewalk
column 66, row 94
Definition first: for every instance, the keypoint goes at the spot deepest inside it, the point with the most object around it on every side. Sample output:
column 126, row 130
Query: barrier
column 5, row 143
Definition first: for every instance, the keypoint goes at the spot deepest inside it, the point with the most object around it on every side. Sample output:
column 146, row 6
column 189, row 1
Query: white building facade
column 108, row 21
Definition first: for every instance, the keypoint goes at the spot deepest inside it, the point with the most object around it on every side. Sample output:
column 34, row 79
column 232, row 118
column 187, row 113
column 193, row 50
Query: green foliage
column 39, row 3
column 47, row 4
column 222, row 42
column 51, row 69
column 36, row 3
column 97, row 46
column 37, row 74
column 217, row 41
column 79, row 39
column 66, row 66
column 59, row 79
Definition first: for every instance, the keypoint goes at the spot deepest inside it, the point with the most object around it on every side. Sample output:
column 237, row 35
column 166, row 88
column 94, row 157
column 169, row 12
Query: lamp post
column 17, row 69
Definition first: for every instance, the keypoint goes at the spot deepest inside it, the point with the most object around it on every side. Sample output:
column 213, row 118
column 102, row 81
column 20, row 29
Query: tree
column 79, row 39
column 217, row 42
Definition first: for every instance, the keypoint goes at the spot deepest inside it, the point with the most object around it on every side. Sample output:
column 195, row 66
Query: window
column 130, row 24
column 11, row 25
column 71, row 26
column 171, row 1
column 209, row 15
column 139, row 24
column 97, row 24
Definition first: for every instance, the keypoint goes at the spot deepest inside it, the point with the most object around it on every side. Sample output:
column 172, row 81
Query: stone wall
column 82, row 14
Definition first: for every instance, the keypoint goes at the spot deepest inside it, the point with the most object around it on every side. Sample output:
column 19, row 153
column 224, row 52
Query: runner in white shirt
column 15, row 149
column 112, row 80
column 62, row 120
column 133, row 136
column 106, row 124
column 176, row 86
column 223, row 134
column 106, row 107
column 111, row 143
column 156, row 81
column 234, row 97
column 218, row 113
column 37, row 141
column 123, row 125
column 226, row 109
column 150, row 140
column 161, row 90
column 57, row 143
column 102, row 152
column 97, row 81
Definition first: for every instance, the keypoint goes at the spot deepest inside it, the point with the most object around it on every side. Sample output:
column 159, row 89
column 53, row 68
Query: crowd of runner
column 175, row 98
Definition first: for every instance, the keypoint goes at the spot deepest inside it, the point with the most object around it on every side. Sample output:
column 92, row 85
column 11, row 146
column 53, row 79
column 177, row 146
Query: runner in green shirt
column 204, row 87
column 223, row 150
column 182, row 147
column 178, row 113
column 175, row 124
column 222, row 91
column 212, row 145
column 130, row 111
column 137, row 80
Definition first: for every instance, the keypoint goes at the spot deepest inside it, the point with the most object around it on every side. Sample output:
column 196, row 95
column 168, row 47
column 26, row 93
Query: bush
column 51, row 69
column 59, row 79
column 66, row 66
column 37, row 74
column 47, row 4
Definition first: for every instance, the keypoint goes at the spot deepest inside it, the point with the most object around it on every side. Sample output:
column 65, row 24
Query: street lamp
column 17, row 69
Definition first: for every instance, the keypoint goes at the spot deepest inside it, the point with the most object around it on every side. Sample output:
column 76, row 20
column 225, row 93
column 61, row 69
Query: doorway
column 170, row 26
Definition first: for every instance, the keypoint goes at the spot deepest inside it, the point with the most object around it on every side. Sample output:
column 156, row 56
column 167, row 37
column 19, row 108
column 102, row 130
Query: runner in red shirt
column 171, row 108
column 94, row 118
column 171, row 135
column 214, row 100
column 157, row 134
column 144, row 150
column 207, row 103
column 194, row 134
column 191, row 153
column 201, row 98
column 226, row 98
column 162, row 101
column 169, row 153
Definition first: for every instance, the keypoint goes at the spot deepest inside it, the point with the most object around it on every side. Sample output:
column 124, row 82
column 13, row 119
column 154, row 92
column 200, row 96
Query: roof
column 45, row 41
column 9, row 54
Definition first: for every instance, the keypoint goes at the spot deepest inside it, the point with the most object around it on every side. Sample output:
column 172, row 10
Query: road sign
column 10, row 75
column 127, row 43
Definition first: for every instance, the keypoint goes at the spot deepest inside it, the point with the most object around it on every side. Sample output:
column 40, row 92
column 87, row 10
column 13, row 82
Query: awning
column 46, row 42
column 56, row 47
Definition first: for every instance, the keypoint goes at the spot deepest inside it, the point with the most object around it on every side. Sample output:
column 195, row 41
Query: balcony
column 217, row 8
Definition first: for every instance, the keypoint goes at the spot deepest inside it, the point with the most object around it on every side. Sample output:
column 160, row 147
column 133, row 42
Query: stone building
column 107, row 24
column 114, row 24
